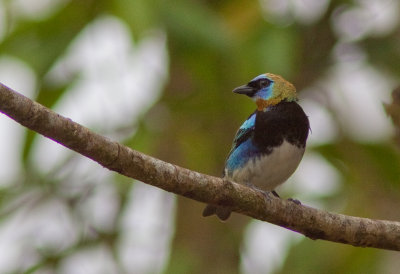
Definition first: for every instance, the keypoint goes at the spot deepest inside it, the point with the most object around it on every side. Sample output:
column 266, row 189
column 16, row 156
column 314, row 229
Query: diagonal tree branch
column 313, row 223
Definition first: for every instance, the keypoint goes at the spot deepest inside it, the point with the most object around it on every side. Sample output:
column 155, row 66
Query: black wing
column 244, row 133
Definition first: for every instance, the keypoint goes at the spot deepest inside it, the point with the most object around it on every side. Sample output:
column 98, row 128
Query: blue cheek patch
column 265, row 93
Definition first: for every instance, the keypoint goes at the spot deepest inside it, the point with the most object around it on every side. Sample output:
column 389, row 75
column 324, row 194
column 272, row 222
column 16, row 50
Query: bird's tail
column 223, row 213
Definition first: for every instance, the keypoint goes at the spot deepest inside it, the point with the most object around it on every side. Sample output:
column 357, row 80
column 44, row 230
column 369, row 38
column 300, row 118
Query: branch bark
column 311, row 222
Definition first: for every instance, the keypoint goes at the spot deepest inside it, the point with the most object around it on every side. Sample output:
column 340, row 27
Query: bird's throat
column 263, row 104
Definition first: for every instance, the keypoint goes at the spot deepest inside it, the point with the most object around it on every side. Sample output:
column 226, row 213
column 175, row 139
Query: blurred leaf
column 384, row 51
column 40, row 43
column 141, row 15
column 192, row 26
column 342, row 259
column 270, row 49
column 386, row 160
column 363, row 160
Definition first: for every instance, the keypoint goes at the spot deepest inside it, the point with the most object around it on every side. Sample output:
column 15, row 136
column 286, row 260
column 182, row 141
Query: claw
column 297, row 202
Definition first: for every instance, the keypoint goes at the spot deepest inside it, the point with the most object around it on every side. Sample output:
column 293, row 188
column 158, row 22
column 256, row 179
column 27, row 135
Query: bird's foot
column 297, row 202
column 265, row 192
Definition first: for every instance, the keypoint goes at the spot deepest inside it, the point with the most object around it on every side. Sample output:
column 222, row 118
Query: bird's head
column 267, row 90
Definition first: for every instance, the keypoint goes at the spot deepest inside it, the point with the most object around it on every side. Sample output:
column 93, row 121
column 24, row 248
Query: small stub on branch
column 393, row 109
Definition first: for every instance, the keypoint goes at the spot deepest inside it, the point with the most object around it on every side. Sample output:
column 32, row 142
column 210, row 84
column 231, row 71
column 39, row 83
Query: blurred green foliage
column 214, row 47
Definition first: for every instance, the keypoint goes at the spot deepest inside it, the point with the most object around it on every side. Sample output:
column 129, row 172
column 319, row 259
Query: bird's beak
column 245, row 89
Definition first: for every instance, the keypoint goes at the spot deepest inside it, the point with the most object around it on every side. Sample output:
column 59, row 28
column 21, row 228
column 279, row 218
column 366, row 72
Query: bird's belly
column 268, row 171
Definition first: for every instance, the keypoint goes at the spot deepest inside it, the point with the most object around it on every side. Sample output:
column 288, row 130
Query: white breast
column 267, row 172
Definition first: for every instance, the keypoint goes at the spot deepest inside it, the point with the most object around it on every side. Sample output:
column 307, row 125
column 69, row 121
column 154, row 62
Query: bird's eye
column 264, row 83
column 259, row 84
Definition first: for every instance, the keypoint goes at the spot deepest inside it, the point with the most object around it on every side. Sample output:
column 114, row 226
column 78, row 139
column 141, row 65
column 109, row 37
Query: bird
column 270, row 144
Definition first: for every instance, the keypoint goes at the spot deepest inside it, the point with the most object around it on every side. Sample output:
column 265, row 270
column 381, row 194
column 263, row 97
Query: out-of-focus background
column 157, row 76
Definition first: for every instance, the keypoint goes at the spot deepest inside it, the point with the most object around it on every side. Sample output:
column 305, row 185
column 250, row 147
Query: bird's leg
column 275, row 194
column 250, row 185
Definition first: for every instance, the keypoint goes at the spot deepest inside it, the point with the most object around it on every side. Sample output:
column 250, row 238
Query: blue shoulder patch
column 245, row 131
column 243, row 148
column 241, row 155
column 250, row 122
